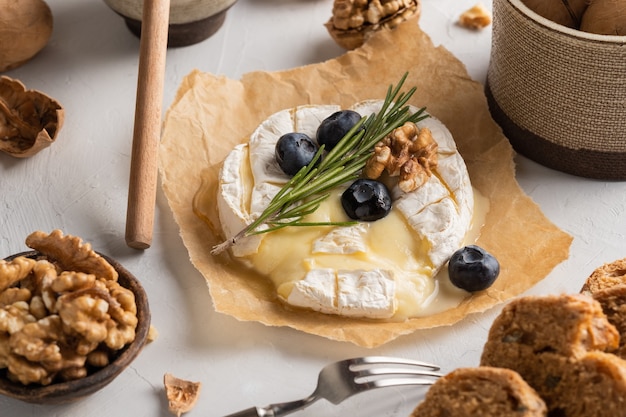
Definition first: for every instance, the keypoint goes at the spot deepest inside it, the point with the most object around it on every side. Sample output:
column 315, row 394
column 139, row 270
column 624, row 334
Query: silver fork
column 343, row 379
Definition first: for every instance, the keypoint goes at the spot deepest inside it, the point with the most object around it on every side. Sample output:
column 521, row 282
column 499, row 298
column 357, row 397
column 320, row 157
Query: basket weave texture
column 559, row 93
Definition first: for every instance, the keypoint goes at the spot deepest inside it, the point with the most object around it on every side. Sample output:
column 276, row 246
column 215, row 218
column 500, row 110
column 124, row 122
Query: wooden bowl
column 71, row 391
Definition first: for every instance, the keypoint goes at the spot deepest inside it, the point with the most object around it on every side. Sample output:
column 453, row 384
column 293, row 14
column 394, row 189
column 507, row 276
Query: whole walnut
column 605, row 17
column 25, row 28
column 354, row 21
column 602, row 17
column 564, row 12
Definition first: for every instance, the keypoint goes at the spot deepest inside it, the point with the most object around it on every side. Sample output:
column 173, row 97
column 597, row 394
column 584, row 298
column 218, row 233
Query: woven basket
column 559, row 94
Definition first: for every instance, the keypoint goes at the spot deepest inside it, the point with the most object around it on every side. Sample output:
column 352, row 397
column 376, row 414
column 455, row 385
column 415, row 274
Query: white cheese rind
column 345, row 240
column 232, row 210
column 371, row 292
column 316, row 291
column 354, row 293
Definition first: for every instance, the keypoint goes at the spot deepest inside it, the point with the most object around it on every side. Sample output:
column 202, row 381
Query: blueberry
column 293, row 151
column 472, row 268
column 366, row 200
column 335, row 127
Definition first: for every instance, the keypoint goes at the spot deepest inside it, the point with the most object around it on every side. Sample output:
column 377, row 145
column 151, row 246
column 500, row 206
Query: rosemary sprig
column 306, row 190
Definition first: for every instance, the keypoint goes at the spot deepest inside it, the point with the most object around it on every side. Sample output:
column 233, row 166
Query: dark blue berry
column 293, row 151
column 335, row 127
column 366, row 200
column 472, row 268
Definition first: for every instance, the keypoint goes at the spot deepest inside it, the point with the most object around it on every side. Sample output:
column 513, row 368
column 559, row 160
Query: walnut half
column 353, row 21
column 408, row 152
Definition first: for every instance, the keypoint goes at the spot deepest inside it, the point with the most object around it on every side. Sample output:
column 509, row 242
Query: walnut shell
column 182, row 395
column 25, row 28
column 354, row 21
column 29, row 119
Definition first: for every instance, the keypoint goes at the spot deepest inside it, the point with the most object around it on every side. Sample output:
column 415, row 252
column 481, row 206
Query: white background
column 80, row 183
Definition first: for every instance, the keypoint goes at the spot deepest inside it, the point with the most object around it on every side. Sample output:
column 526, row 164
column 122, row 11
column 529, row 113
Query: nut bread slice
column 481, row 391
column 613, row 302
column 608, row 275
column 542, row 337
column 567, row 324
column 594, row 385
column 607, row 284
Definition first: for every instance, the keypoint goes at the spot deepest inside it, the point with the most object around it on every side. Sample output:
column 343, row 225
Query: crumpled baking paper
column 211, row 114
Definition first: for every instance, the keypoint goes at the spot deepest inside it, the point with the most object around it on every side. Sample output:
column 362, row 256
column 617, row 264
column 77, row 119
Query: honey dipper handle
column 147, row 131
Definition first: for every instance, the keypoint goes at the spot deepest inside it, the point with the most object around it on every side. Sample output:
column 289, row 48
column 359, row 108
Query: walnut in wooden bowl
column 68, row 326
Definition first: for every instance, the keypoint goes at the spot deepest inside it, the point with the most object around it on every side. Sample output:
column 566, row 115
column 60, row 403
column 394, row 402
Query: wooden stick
column 147, row 130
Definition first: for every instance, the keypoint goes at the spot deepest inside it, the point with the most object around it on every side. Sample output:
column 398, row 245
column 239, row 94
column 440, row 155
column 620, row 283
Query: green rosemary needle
column 305, row 191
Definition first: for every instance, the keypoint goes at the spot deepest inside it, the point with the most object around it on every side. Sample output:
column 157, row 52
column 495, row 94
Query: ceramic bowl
column 558, row 93
column 72, row 391
column 191, row 21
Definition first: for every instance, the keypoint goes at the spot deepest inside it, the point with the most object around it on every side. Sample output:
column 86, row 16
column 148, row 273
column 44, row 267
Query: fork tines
column 367, row 369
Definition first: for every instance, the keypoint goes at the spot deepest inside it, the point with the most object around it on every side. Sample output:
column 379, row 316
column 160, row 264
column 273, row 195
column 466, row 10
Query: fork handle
column 257, row 412
column 275, row 410
column 250, row 412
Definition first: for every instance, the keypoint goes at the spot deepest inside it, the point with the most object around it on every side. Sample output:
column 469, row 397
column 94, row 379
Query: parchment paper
column 211, row 114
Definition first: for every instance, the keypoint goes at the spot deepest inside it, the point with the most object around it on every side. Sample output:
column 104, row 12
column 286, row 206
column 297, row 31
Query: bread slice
column 481, row 391
column 607, row 284
column 541, row 337
column 568, row 325
column 613, row 302
column 594, row 385
column 608, row 275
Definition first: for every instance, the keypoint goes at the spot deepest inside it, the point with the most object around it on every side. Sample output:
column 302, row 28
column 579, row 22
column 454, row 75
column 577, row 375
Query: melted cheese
column 385, row 269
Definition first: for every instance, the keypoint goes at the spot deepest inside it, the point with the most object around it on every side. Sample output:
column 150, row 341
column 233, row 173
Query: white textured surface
column 79, row 185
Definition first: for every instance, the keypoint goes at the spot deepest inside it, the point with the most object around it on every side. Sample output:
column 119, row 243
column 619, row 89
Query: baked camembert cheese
column 384, row 269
